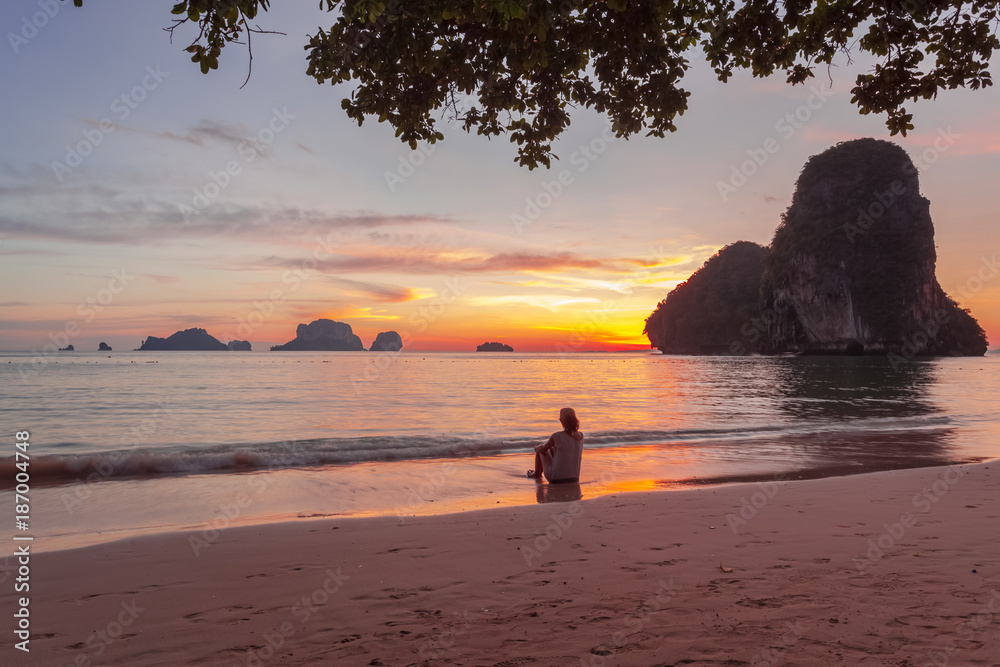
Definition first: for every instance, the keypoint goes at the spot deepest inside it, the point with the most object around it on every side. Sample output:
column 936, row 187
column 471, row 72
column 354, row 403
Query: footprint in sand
column 398, row 549
column 762, row 602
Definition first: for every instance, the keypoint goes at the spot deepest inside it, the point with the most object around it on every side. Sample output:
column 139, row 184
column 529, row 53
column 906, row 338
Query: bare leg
column 538, row 465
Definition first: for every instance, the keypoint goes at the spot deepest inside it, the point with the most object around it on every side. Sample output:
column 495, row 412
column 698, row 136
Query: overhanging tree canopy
column 516, row 66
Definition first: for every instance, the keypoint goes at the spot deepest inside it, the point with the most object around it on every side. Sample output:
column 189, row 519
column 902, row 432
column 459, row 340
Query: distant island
column 494, row 347
column 322, row 335
column 197, row 340
column 103, row 347
column 68, row 348
column 851, row 270
column 387, row 341
column 319, row 335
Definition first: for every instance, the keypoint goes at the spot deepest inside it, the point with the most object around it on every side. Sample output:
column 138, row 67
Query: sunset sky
column 249, row 211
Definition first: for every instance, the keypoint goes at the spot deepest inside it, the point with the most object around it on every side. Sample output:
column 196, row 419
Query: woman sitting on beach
column 560, row 457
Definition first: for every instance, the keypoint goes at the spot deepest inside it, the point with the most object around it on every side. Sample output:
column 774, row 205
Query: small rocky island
column 191, row 340
column 322, row 335
column 851, row 270
column 494, row 347
column 103, row 347
column 239, row 346
column 68, row 348
column 387, row 341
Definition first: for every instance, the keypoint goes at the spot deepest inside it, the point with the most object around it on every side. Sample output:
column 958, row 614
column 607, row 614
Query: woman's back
column 567, row 458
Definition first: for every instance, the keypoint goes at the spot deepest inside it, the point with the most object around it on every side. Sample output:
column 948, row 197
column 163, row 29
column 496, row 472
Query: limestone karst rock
column 194, row 339
column 322, row 335
column 851, row 270
column 387, row 341
column 708, row 313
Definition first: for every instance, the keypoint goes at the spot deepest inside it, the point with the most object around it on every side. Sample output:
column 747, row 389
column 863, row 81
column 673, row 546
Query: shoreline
column 87, row 513
column 855, row 570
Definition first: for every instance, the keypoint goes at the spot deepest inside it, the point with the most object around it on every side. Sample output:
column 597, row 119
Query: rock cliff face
column 324, row 336
column 239, row 346
column 188, row 340
column 387, row 341
column 494, row 347
column 851, row 268
column 706, row 313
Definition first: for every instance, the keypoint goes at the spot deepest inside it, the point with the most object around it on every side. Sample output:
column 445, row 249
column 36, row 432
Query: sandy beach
column 889, row 568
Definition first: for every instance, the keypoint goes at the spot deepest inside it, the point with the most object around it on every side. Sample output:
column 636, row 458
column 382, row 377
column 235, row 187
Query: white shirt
column 567, row 456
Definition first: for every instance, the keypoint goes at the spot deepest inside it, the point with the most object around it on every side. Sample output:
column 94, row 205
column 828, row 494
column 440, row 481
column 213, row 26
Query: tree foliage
column 516, row 67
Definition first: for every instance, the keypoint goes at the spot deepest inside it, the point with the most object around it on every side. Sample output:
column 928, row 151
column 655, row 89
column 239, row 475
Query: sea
column 122, row 444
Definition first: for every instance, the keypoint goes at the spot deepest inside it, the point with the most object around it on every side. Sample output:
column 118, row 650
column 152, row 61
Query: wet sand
column 888, row 568
column 94, row 510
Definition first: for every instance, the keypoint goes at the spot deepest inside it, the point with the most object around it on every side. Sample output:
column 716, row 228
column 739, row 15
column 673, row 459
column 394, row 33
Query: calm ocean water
column 359, row 433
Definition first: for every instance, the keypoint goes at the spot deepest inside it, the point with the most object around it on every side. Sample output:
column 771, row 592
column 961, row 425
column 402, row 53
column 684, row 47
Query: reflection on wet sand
column 558, row 493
